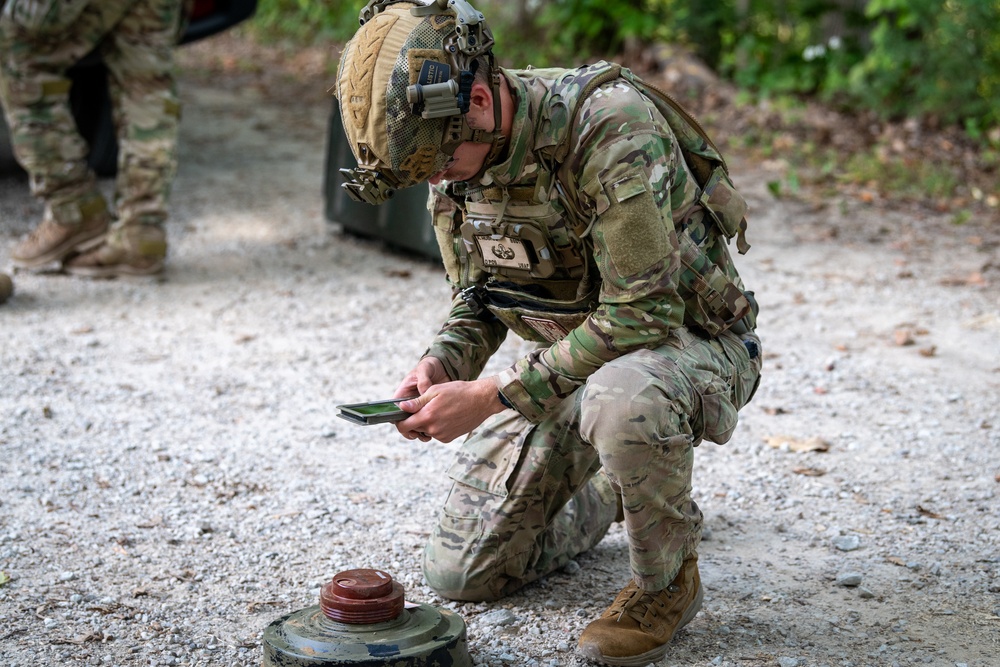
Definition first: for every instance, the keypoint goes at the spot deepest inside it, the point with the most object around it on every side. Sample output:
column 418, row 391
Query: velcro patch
column 633, row 231
column 429, row 60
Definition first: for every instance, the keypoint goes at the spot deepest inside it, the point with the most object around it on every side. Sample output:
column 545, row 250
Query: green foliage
column 556, row 32
column 922, row 180
column 600, row 26
column 917, row 58
column 790, row 187
column 306, row 21
column 933, row 58
column 901, row 58
column 796, row 46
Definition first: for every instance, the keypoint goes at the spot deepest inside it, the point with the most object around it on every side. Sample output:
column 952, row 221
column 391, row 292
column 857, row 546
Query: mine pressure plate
column 362, row 620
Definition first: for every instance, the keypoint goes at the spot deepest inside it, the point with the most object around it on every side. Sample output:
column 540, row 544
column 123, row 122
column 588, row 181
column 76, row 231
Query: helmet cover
column 382, row 60
column 402, row 53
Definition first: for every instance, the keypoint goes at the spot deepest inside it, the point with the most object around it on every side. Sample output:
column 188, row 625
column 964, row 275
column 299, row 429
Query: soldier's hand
column 429, row 372
column 450, row 410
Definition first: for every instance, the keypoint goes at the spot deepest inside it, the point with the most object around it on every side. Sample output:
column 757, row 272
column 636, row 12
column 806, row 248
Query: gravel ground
column 174, row 478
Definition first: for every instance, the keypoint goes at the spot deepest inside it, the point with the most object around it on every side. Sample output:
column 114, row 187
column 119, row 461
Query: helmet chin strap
column 495, row 137
column 498, row 139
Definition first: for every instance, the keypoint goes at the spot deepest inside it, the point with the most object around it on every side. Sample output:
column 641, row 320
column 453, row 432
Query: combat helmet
column 404, row 86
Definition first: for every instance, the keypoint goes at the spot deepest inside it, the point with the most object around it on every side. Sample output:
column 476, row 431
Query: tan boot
column 136, row 250
column 77, row 227
column 635, row 630
column 6, row 287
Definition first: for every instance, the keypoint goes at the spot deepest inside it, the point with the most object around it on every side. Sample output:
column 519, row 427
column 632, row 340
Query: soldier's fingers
column 424, row 383
column 420, row 401
column 411, row 406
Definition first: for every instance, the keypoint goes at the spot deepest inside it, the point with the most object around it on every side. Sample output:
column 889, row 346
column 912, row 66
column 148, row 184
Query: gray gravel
column 174, row 478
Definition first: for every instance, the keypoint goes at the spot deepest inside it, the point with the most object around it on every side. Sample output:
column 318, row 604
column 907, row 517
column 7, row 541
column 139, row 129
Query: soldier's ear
column 480, row 106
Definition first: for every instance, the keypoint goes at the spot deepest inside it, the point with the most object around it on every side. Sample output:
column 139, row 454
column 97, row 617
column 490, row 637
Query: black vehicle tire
column 7, row 161
column 91, row 105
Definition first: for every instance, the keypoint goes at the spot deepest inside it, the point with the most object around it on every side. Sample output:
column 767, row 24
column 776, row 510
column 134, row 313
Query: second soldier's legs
column 34, row 89
column 139, row 55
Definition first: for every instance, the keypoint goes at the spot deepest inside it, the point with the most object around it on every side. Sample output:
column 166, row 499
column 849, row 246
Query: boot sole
column 79, row 243
column 115, row 271
column 643, row 659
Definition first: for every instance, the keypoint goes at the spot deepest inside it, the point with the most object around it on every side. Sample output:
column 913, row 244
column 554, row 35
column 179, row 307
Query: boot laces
column 43, row 232
column 642, row 605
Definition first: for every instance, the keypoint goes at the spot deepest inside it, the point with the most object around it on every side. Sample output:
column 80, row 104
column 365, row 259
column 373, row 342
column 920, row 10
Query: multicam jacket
column 43, row 15
column 578, row 248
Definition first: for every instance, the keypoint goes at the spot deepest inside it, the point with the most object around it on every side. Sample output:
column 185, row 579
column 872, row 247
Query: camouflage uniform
column 135, row 38
column 626, row 382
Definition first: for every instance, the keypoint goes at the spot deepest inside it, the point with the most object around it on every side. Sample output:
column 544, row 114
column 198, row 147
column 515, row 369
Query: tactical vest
column 532, row 239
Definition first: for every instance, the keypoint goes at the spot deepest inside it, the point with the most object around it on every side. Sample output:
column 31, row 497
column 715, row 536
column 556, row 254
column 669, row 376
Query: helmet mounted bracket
column 369, row 183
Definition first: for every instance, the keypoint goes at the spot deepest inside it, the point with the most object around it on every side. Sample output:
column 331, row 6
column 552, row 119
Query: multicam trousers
column 136, row 39
column 527, row 498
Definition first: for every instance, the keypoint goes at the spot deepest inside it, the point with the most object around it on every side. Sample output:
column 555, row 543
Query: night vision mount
column 473, row 37
column 436, row 94
column 367, row 183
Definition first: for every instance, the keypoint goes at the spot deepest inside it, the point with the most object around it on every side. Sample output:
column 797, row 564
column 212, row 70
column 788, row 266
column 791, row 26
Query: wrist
column 490, row 392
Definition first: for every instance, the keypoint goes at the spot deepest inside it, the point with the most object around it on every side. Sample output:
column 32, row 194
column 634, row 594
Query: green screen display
column 376, row 408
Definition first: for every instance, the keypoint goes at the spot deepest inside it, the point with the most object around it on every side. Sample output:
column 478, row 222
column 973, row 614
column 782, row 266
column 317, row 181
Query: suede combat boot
column 71, row 228
column 135, row 250
column 635, row 630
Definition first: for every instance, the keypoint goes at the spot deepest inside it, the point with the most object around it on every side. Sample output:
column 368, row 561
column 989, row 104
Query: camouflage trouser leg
column 34, row 90
column 525, row 501
column 508, row 519
column 139, row 55
column 645, row 412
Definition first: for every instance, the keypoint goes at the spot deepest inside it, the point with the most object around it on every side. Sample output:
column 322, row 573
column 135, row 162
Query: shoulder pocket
column 726, row 206
column 632, row 230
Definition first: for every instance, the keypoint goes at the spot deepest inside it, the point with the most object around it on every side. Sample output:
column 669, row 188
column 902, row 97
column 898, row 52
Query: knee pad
column 449, row 580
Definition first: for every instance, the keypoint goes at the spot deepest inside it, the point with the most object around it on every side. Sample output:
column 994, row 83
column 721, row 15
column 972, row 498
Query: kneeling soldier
column 582, row 209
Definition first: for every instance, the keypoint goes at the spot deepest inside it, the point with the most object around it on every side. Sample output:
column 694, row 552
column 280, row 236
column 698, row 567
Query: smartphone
column 374, row 412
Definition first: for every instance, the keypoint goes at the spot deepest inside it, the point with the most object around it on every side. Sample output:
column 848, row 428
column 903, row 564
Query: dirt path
column 174, row 478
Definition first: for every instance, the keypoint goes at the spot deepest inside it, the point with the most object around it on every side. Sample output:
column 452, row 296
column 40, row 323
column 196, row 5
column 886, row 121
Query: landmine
column 362, row 620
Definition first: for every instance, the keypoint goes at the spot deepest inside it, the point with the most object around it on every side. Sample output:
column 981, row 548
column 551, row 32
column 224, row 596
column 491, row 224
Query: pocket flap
column 726, row 205
column 486, row 462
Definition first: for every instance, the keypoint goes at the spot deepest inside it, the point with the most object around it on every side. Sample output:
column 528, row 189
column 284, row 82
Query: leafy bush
column 599, row 26
column 916, row 58
column 306, row 21
column 930, row 57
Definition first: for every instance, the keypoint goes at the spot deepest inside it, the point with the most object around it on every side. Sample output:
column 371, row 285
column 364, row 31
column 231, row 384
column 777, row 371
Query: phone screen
column 377, row 408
